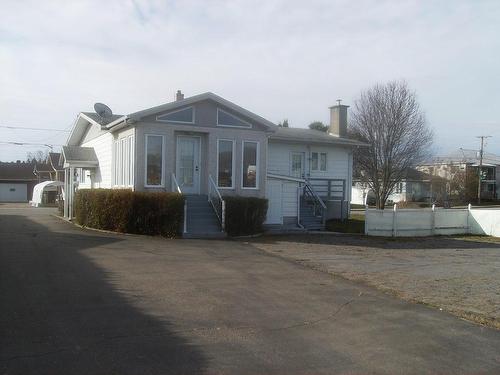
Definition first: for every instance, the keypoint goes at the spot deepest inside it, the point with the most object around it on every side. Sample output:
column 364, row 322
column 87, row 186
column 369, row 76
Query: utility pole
column 482, row 137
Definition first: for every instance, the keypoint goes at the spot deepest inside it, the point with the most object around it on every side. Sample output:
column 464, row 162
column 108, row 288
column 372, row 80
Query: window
column 250, row 167
column 297, row 164
column 318, row 161
column 399, row 188
column 154, row 160
column 185, row 115
column 225, row 163
column 226, row 119
column 124, row 161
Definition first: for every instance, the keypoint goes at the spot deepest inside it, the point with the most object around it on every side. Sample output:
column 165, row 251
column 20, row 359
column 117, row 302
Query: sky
column 280, row 59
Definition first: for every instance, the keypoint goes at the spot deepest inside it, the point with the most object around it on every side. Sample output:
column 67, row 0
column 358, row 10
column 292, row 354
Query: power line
column 26, row 128
column 29, row 144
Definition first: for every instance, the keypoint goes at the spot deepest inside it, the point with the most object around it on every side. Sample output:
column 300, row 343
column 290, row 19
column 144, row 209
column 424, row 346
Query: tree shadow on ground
column 62, row 314
column 437, row 242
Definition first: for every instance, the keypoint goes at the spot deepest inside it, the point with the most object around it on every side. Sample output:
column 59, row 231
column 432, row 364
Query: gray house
column 207, row 148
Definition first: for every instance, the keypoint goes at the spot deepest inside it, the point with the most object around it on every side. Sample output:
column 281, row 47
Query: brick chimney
column 338, row 120
column 179, row 95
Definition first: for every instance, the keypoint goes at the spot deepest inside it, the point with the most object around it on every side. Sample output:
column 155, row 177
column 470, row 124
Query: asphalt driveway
column 75, row 301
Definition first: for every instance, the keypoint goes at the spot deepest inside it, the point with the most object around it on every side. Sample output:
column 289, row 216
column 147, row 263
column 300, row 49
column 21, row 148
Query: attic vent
column 226, row 119
column 184, row 115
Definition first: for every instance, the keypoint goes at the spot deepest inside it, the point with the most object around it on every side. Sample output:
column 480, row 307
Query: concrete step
column 205, row 235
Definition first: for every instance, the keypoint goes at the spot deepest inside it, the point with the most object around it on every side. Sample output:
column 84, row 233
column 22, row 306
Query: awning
column 38, row 191
column 79, row 157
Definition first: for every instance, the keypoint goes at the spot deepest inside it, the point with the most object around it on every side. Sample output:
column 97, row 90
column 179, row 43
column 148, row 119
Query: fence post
column 433, row 220
column 394, row 220
column 469, row 207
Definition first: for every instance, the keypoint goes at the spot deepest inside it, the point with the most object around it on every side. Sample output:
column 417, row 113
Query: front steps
column 201, row 219
column 307, row 218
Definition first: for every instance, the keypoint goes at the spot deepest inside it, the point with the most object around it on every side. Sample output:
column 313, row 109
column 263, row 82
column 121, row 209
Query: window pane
column 314, row 161
column 225, row 164
column 297, row 165
column 249, row 164
column 183, row 115
column 323, row 162
column 226, row 119
column 154, row 160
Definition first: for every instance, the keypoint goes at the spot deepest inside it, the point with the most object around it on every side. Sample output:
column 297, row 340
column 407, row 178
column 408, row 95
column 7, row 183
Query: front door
column 297, row 164
column 187, row 164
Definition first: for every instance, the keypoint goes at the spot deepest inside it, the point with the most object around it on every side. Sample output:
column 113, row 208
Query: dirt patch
column 457, row 274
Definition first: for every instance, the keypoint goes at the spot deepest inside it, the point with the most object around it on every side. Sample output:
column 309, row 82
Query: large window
column 250, row 164
column 225, row 163
column 318, row 161
column 154, row 160
column 227, row 119
column 184, row 115
column 124, row 161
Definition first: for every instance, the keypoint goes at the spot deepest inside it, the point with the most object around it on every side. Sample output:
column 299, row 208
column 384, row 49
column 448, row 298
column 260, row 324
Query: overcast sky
column 279, row 59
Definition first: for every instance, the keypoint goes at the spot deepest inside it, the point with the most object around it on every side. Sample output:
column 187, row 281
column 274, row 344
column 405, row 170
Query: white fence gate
column 435, row 221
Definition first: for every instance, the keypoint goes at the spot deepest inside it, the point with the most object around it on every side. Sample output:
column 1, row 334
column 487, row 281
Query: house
column 16, row 181
column 460, row 169
column 50, row 169
column 207, row 147
column 415, row 186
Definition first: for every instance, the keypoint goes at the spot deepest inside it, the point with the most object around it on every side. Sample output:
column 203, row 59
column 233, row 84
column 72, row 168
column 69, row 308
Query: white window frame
column 257, row 166
column 175, row 111
column 123, row 149
column 146, row 136
column 318, row 169
column 233, row 163
column 249, row 126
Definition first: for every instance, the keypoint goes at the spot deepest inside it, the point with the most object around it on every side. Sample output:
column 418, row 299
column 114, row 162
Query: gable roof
column 17, row 172
column 79, row 156
column 197, row 98
column 311, row 136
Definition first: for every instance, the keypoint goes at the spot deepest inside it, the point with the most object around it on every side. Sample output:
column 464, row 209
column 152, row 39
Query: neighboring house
column 460, row 166
column 50, row 169
column 16, row 181
column 207, row 148
column 416, row 186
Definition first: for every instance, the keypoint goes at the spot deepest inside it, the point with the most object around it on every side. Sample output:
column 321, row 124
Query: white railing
column 175, row 184
column 177, row 188
column 311, row 197
column 218, row 204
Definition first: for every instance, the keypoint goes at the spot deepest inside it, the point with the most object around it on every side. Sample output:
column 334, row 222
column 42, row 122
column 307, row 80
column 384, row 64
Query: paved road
column 81, row 302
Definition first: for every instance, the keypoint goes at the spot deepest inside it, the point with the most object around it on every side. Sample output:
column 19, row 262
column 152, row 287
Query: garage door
column 275, row 203
column 13, row 192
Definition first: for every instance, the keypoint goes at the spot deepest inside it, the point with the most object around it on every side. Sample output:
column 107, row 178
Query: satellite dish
column 103, row 111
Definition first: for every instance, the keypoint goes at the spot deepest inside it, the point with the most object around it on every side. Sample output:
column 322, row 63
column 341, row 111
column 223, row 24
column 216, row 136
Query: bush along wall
column 127, row 211
column 245, row 215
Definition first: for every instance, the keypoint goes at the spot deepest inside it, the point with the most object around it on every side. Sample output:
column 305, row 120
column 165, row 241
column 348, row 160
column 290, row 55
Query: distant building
column 17, row 181
column 416, row 186
column 460, row 169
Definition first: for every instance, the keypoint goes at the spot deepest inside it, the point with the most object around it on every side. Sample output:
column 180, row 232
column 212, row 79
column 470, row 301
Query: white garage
column 13, row 192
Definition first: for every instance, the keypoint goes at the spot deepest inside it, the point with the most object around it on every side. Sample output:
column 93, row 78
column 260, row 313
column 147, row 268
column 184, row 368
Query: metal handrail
column 175, row 184
column 319, row 207
column 176, row 187
column 217, row 202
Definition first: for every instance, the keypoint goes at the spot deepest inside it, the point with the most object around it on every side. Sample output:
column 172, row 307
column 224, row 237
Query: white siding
column 338, row 166
column 103, row 149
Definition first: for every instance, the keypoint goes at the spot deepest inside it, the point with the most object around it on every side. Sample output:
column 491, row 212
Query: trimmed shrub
column 245, row 215
column 123, row 210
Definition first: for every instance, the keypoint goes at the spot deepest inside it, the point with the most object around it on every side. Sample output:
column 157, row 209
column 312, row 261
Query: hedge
column 127, row 211
column 245, row 215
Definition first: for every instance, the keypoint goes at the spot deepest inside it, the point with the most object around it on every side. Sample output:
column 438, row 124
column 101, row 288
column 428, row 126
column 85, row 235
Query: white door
column 274, row 191
column 188, row 164
column 13, row 192
column 297, row 164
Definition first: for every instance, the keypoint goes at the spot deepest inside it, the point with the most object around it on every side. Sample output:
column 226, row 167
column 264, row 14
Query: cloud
column 281, row 59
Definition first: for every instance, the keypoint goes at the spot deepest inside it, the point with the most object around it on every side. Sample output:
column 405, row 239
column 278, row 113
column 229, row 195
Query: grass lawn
column 355, row 224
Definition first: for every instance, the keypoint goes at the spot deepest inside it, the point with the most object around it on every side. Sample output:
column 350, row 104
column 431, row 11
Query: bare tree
column 39, row 156
column 388, row 118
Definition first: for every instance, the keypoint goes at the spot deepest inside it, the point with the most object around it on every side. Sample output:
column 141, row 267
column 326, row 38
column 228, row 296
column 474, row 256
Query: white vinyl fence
column 434, row 221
